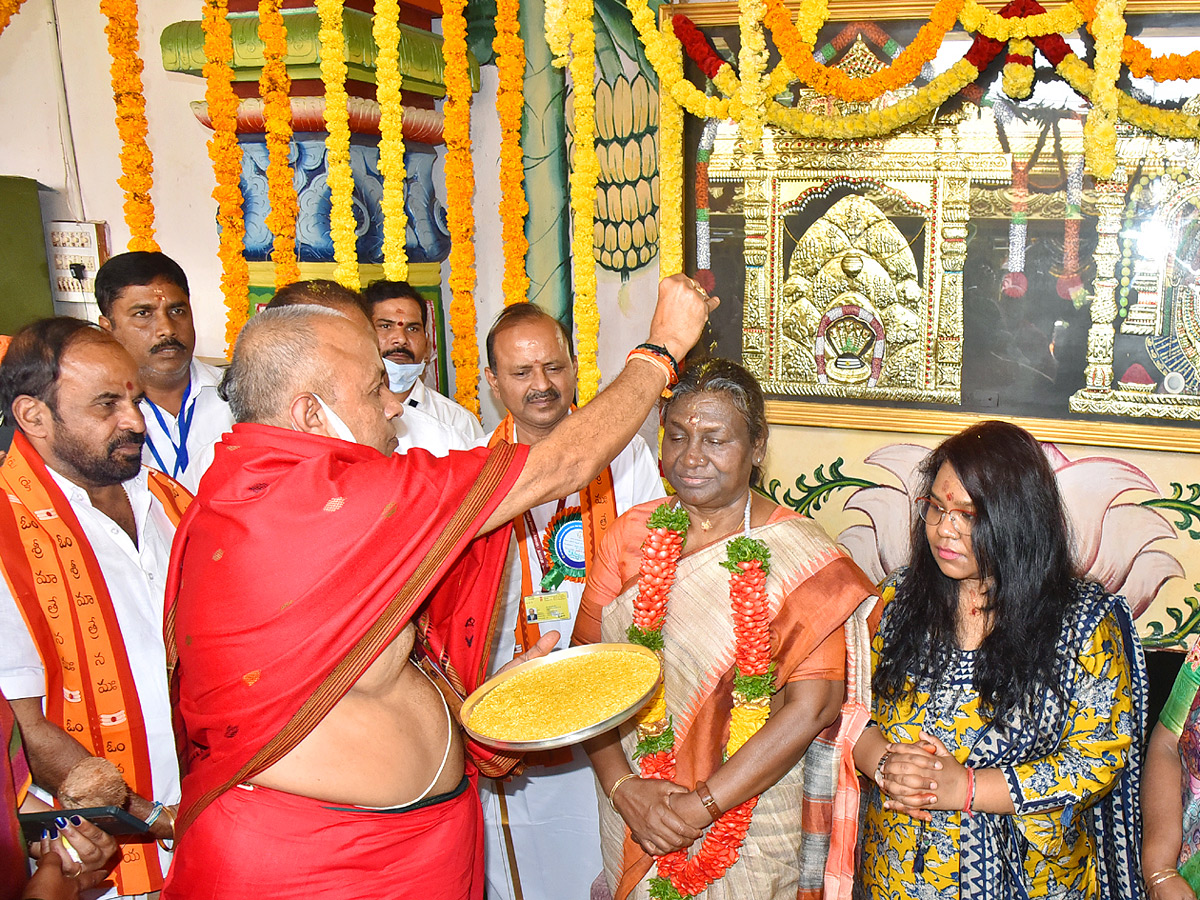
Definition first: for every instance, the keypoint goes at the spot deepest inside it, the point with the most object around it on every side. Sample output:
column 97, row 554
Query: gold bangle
column 613, row 790
column 1160, row 876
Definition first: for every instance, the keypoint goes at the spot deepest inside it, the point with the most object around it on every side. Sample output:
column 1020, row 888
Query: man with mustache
column 542, row 827
column 144, row 303
column 401, row 319
column 85, row 541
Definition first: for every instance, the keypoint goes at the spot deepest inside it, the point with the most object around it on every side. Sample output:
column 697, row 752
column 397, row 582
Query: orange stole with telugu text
column 597, row 509
column 58, row 585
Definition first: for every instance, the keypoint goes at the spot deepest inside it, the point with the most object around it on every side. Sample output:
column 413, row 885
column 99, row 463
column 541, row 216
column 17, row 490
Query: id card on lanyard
column 540, row 604
column 184, row 423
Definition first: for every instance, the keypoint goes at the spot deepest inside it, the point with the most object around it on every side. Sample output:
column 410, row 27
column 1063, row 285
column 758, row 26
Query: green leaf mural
column 811, row 496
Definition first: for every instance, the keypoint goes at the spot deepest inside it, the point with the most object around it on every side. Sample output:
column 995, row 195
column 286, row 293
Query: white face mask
column 340, row 428
column 402, row 376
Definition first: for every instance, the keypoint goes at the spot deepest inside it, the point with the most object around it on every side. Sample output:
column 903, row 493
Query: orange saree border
column 60, row 589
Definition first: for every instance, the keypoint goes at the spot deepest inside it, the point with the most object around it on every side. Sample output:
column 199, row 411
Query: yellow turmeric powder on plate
column 563, row 697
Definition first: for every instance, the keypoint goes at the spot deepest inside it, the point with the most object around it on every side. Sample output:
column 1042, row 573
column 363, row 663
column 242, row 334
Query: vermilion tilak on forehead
column 129, row 385
column 950, row 496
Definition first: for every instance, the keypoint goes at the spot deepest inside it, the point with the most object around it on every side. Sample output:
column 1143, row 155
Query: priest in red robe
column 329, row 603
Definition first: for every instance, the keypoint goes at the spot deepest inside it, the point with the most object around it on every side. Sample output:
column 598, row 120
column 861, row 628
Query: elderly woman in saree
column 1009, row 696
column 726, row 785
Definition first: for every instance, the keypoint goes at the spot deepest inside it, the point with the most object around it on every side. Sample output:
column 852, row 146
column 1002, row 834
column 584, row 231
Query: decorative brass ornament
column 856, row 308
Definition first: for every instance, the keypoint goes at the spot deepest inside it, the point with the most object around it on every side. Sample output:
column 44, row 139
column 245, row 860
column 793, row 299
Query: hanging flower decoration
column 1019, row 20
column 1018, row 69
column 670, row 174
column 385, row 29
column 510, row 106
column 1015, row 283
column 338, row 173
column 1100, row 127
column 748, row 560
column 1069, row 284
column 558, row 35
column 8, row 9
column 460, row 217
column 585, row 172
column 1142, row 63
column 137, row 163
column 274, row 86
column 704, row 275
column 749, row 102
column 796, row 41
column 226, row 156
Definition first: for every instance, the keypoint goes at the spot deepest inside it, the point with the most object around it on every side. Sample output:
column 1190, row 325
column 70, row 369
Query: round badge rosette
column 563, row 540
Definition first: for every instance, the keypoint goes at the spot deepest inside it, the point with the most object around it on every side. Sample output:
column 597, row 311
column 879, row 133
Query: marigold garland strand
column 137, row 163
column 460, row 217
column 338, row 173
column 510, row 106
column 274, row 86
column 670, row 174
column 585, row 172
column 385, row 29
column 1100, row 128
column 750, row 101
column 558, row 35
column 8, row 9
column 226, row 155
column 680, row 877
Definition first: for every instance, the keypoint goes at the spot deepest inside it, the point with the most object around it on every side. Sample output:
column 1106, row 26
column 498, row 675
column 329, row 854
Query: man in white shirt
column 85, row 542
column 542, row 828
column 400, row 316
column 144, row 303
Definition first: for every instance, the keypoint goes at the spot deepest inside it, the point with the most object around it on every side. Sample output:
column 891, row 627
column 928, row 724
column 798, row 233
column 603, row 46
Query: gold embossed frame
column 864, row 281
column 854, row 260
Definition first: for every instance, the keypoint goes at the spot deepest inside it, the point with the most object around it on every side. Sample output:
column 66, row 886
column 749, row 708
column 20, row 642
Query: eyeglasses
column 932, row 513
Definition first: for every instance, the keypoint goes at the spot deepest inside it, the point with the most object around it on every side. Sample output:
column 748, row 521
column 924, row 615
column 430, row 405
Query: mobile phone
column 112, row 819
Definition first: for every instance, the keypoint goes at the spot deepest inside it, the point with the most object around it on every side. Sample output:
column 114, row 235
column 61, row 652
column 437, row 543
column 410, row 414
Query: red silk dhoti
column 253, row 843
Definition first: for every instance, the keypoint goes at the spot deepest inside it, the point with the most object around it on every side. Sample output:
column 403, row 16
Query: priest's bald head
column 312, row 369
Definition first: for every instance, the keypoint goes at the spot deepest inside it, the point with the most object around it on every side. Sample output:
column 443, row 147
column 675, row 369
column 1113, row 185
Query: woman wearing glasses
column 1009, row 696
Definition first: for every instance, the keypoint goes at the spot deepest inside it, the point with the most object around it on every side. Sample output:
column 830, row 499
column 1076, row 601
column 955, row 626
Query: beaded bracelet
column 970, row 793
column 879, row 767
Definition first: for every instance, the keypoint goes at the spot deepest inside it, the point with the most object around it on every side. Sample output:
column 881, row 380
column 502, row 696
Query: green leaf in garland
column 651, row 639
column 657, row 743
column 662, row 889
column 746, row 549
column 672, row 518
column 755, row 687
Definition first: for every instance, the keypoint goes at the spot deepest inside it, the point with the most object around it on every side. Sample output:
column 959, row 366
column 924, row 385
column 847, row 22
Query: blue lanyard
column 185, row 426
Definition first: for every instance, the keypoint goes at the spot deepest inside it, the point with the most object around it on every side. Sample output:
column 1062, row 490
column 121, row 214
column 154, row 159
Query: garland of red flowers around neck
column 679, row 877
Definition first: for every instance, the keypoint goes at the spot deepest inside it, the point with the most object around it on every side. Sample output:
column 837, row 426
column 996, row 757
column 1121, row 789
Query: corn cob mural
column 626, row 229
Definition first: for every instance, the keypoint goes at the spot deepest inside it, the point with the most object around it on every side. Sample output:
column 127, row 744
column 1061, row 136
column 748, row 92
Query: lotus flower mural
column 1116, row 544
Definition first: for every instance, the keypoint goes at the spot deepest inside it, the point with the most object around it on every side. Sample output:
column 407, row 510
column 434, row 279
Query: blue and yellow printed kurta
column 1059, row 762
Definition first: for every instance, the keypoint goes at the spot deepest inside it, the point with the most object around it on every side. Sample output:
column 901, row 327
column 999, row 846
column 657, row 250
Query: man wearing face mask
column 144, row 303
column 400, row 317
column 542, row 828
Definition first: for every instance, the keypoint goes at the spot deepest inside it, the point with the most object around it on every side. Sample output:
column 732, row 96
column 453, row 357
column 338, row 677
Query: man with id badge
column 541, row 827
column 144, row 304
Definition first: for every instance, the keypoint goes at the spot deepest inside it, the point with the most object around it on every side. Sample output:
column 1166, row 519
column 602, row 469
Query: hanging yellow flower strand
column 226, row 156
column 274, row 86
column 510, row 104
column 386, row 31
column 337, row 144
column 584, row 174
column 137, row 164
column 670, row 168
column 460, row 217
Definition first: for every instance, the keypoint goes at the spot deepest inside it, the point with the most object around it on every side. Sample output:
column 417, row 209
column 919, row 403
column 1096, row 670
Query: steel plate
column 573, row 737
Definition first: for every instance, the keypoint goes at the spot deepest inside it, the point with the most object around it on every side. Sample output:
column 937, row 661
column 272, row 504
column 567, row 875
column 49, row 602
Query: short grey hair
column 275, row 358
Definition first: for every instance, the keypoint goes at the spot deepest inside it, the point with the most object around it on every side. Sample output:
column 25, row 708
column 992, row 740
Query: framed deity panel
column 962, row 268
